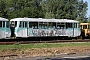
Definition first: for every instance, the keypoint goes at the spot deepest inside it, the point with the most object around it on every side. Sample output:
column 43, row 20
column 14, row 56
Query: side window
column 60, row 25
column 20, row 25
column 30, row 24
column 52, row 25
column 80, row 26
column 88, row 26
column 7, row 24
column 3, row 23
column 0, row 23
column 69, row 25
column 25, row 24
column 43, row 25
column 15, row 23
column 33, row 25
column 84, row 26
column 75, row 25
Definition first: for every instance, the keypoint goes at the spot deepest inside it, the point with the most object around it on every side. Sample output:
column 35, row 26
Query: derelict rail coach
column 85, row 27
column 4, row 28
column 39, row 27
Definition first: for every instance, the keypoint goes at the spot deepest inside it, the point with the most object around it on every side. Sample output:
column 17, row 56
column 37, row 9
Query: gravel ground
column 64, row 56
column 58, row 53
column 71, row 56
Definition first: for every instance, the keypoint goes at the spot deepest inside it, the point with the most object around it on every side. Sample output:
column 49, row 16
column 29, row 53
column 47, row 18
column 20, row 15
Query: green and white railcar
column 4, row 28
column 39, row 27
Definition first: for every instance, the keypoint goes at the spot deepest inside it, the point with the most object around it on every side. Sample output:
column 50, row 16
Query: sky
column 88, row 11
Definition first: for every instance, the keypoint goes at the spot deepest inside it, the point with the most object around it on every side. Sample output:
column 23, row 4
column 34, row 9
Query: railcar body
column 4, row 28
column 39, row 27
column 85, row 29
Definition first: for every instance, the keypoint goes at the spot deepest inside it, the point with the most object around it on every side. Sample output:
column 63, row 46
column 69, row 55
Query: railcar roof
column 84, row 23
column 3, row 19
column 43, row 20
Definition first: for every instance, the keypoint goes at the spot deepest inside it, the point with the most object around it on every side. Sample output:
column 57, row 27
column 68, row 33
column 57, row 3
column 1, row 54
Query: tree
column 82, row 10
column 3, row 11
column 24, row 8
column 59, row 9
column 65, row 9
column 48, row 8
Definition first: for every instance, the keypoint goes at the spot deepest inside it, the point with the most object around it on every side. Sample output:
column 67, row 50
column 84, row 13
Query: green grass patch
column 41, row 45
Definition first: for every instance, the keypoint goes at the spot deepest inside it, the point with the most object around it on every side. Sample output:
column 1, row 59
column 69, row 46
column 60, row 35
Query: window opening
column 60, row 25
column 33, row 25
column 69, row 25
column 52, row 25
column 43, row 25
column 0, row 23
column 88, row 26
column 84, row 26
column 75, row 25
column 7, row 24
column 21, row 24
column 25, row 24
column 3, row 23
column 80, row 26
column 15, row 23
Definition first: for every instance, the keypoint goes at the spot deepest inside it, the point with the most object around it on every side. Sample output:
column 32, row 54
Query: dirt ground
column 16, row 53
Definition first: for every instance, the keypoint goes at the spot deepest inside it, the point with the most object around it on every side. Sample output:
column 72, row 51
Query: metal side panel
column 21, row 33
column 47, row 32
column 77, row 32
column 2, row 34
column 69, row 32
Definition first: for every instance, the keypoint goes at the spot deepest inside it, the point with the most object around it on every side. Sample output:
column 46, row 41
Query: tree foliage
column 60, row 9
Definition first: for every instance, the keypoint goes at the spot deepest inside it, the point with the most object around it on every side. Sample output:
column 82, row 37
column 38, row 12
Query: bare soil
column 16, row 53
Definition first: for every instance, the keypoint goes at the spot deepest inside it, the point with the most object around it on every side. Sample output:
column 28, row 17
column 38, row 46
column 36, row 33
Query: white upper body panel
column 44, row 20
column 3, row 19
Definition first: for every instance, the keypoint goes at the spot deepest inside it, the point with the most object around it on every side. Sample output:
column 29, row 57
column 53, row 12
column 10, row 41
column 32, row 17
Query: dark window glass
column 43, row 25
column 7, row 24
column 81, row 26
column 69, row 25
column 20, row 25
column 75, row 25
column 52, row 25
column 15, row 23
column 3, row 23
column 25, row 24
column 33, row 24
column 0, row 23
column 84, row 26
column 88, row 26
column 60, row 25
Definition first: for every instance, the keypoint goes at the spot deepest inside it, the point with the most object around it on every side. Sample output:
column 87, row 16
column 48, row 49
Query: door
column 22, row 29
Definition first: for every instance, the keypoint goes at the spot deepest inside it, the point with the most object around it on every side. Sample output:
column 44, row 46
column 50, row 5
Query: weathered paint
column 5, row 32
column 23, row 32
column 54, row 32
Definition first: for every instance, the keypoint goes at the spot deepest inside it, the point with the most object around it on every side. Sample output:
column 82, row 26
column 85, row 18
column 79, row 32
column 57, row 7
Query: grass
column 41, row 45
